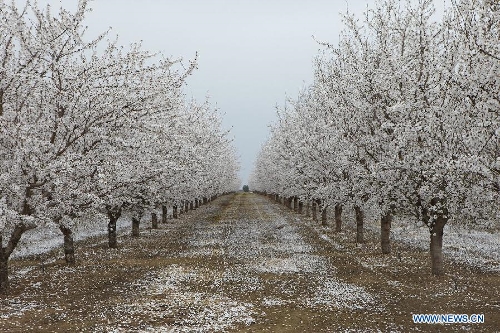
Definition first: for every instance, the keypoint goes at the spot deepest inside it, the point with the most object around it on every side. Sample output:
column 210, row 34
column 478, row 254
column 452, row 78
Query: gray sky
column 252, row 53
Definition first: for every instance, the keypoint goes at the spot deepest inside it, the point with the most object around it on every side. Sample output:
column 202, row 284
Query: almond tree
column 62, row 103
column 411, row 103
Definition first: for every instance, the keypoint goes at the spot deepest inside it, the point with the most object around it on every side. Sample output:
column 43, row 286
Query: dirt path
column 244, row 264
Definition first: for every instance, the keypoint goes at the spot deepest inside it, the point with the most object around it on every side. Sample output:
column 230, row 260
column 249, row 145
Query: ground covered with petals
column 244, row 263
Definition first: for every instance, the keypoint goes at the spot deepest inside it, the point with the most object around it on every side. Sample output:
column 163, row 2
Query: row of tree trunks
column 113, row 213
column 436, row 228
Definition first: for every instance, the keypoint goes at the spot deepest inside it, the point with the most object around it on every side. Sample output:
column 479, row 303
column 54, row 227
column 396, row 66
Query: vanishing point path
column 240, row 264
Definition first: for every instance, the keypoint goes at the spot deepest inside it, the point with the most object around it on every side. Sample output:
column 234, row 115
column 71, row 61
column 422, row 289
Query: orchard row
column 89, row 125
column 402, row 119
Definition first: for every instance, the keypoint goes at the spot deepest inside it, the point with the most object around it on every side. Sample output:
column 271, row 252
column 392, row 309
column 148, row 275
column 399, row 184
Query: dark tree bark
column 338, row 218
column 301, row 207
column 359, row 224
column 136, row 221
column 154, row 221
column 385, row 232
column 205, row 201
column 164, row 212
column 4, row 270
column 308, row 214
column 436, row 228
column 196, row 205
column 314, row 209
column 186, row 206
column 295, row 204
column 114, row 214
column 324, row 220
column 436, row 246
column 69, row 245
column 191, row 205
column 175, row 215
column 6, row 251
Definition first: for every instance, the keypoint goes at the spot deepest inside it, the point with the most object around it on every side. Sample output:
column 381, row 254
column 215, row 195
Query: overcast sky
column 252, row 53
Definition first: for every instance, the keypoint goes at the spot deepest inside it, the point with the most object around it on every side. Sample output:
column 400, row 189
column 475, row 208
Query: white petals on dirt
column 336, row 294
column 15, row 307
column 166, row 298
column 264, row 254
column 476, row 248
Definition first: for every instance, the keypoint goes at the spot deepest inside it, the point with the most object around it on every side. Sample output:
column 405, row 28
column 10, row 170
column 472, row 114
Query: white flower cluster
column 91, row 125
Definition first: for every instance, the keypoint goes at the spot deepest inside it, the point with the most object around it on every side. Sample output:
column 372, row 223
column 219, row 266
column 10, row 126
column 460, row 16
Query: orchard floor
column 243, row 264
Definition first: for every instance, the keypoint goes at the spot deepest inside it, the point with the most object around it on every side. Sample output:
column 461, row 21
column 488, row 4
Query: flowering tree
column 406, row 109
column 88, row 129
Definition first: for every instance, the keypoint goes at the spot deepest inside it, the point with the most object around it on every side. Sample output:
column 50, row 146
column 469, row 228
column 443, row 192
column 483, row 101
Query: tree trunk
column 4, row 270
column 314, row 211
column 164, row 212
column 154, row 221
column 436, row 217
column 295, row 204
column 308, row 214
column 69, row 245
column 359, row 224
column 301, row 207
column 196, row 205
column 338, row 218
column 385, row 232
column 205, row 200
column 135, row 226
column 175, row 215
column 324, row 221
column 113, row 216
column 436, row 248
column 191, row 205
column 186, row 206
column 5, row 253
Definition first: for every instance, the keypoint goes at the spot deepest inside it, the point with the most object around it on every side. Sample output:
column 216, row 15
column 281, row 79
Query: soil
column 243, row 263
